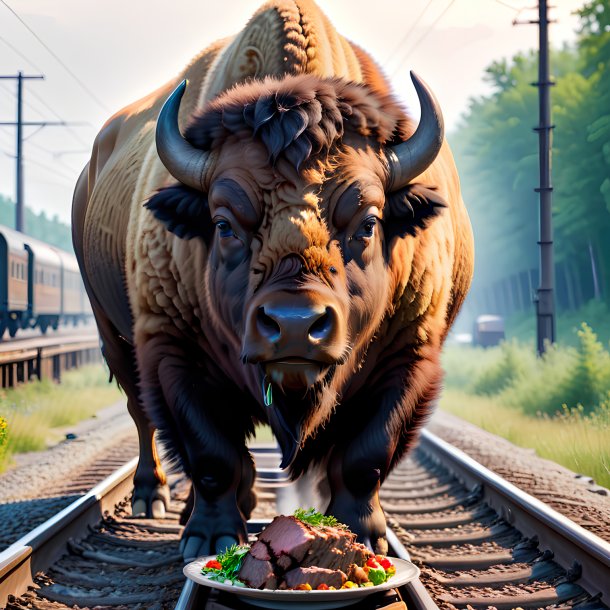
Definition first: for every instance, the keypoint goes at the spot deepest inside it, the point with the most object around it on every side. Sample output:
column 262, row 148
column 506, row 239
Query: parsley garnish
column 231, row 560
column 317, row 519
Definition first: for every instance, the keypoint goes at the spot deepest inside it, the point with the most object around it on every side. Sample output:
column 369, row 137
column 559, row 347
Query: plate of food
column 307, row 559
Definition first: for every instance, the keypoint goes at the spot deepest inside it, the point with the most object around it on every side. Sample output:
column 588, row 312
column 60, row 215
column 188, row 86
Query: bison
column 277, row 242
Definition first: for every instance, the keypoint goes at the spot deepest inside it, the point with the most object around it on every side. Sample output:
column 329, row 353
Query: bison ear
column 183, row 210
column 411, row 209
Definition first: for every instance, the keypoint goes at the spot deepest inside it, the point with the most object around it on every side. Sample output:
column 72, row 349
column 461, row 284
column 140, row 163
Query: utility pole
column 545, row 299
column 545, row 302
column 20, row 124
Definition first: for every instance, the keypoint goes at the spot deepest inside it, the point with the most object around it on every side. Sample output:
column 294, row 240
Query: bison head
column 299, row 187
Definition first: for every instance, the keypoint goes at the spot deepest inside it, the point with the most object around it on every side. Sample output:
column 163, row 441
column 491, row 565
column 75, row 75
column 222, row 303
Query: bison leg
column 358, row 467
column 354, row 481
column 151, row 492
column 204, row 434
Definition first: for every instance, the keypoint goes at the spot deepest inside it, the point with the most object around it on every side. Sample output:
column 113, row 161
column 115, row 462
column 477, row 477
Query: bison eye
column 367, row 228
column 224, row 228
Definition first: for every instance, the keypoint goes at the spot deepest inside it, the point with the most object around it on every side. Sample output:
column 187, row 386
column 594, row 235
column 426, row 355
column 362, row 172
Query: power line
column 58, row 59
column 53, row 170
column 406, row 35
column 15, row 50
column 57, row 116
column 20, row 124
column 14, row 95
column 40, row 99
column 419, row 40
column 507, row 5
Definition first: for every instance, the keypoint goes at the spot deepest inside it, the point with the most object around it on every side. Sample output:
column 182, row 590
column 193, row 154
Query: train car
column 40, row 285
column 44, row 284
column 72, row 289
column 14, row 294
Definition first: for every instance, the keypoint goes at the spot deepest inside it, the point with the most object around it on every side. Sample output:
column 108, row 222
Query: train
column 40, row 285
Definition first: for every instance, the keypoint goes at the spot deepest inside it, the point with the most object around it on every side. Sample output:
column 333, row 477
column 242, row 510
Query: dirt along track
column 468, row 554
column 40, row 484
column 576, row 496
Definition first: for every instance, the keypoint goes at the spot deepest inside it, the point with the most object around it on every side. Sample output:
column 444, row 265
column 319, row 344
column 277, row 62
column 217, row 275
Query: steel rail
column 568, row 541
column 41, row 547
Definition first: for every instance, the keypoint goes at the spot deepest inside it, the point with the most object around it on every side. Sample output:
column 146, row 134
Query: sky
column 97, row 57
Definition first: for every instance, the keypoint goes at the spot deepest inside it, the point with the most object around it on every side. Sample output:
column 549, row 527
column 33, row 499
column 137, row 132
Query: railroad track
column 479, row 542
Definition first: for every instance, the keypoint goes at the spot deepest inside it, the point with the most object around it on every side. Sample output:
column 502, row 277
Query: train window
column 12, row 268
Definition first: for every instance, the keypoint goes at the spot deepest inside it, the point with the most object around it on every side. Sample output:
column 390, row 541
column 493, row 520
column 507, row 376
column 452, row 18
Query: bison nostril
column 267, row 326
column 322, row 327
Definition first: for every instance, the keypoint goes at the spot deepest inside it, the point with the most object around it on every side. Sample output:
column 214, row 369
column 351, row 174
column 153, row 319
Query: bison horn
column 183, row 161
column 410, row 158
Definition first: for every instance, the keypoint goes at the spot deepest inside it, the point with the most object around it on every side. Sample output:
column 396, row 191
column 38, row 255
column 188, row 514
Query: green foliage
column 230, row 560
column 3, row 436
column 317, row 519
column 462, row 365
column 544, row 386
column 34, row 412
column 513, row 362
column 496, row 153
column 572, row 438
column 589, row 379
column 522, row 325
column 52, row 231
column 578, row 377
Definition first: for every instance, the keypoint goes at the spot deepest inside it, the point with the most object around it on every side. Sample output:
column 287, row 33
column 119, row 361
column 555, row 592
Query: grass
column 34, row 412
column 558, row 405
column 572, row 439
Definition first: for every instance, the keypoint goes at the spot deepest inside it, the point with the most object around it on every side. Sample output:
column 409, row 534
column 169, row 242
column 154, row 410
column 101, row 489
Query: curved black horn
column 183, row 161
column 412, row 157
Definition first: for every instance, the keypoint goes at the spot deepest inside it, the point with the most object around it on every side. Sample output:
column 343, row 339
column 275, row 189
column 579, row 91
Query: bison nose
column 314, row 325
column 295, row 325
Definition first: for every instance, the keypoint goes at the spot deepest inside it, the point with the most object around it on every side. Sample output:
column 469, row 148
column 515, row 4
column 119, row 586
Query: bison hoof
column 151, row 505
column 212, row 528
column 364, row 517
column 192, row 547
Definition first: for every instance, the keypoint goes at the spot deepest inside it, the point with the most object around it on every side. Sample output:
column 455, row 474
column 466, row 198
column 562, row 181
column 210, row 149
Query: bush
column 589, row 379
column 463, row 364
column 513, row 363
column 3, row 436
column 542, row 387
column 565, row 375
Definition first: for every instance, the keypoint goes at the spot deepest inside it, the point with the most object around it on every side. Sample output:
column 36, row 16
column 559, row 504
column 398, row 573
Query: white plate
column 302, row 600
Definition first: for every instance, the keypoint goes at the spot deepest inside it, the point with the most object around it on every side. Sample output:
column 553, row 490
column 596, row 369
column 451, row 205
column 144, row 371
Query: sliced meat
column 285, row 535
column 289, row 552
column 257, row 574
column 314, row 577
column 260, row 551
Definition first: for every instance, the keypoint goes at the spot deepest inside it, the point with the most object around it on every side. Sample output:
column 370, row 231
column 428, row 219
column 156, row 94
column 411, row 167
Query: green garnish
column 317, row 519
column 230, row 560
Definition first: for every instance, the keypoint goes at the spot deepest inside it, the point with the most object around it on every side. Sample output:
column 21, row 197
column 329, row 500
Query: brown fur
column 297, row 166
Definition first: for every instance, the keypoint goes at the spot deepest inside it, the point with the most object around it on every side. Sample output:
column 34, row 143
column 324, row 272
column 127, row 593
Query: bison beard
column 311, row 240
